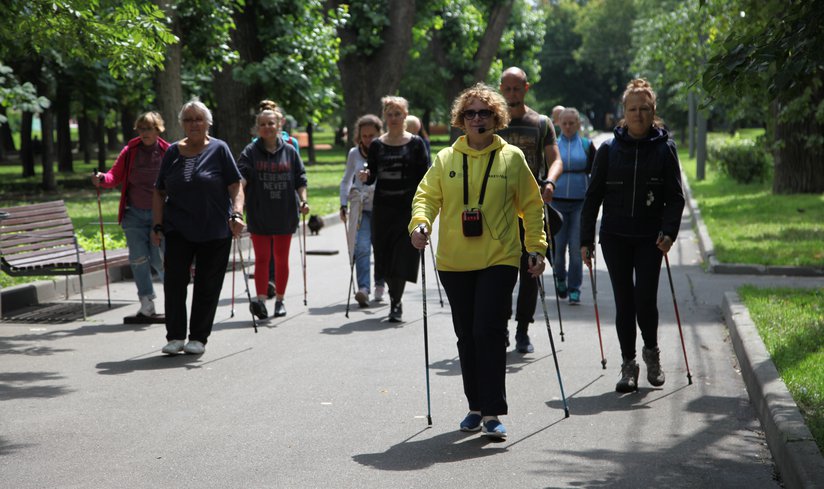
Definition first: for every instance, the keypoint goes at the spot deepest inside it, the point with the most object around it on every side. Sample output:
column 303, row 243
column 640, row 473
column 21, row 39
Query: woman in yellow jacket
column 480, row 186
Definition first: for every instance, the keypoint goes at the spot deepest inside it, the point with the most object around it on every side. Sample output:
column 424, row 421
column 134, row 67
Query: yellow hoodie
column 511, row 191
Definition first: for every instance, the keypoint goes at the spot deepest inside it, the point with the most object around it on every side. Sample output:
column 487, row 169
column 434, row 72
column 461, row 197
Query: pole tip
column 429, row 420
column 566, row 412
column 604, row 364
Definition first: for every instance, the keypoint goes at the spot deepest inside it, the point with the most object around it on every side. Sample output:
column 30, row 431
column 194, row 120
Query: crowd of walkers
column 516, row 189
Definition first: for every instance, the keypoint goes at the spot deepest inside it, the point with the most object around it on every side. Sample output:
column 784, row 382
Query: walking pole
column 425, row 333
column 234, row 248
column 595, row 302
column 435, row 268
column 248, row 290
column 103, row 242
column 303, row 258
column 351, row 249
column 552, row 266
column 552, row 344
column 678, row 318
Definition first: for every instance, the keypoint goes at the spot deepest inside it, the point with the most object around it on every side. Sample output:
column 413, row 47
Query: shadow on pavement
column 158, row 361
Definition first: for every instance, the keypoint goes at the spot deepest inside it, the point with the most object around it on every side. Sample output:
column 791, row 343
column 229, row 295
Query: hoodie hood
column 462, row 146
column 655, row 134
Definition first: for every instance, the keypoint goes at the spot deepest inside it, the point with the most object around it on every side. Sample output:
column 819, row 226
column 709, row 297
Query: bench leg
column 82, row 295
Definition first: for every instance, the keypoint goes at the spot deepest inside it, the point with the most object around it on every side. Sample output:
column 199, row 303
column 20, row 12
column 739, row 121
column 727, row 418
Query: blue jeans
column 569, row 237
column 363, row 252
column 143, row 255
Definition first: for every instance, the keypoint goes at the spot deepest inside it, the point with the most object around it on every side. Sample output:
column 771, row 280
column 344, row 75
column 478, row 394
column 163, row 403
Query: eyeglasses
column 483, row 114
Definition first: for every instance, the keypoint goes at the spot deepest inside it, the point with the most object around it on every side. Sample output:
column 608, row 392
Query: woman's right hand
column 420, row 237
column 363, row 175
column 586, row 255
column 96, row 177
column 343, row 214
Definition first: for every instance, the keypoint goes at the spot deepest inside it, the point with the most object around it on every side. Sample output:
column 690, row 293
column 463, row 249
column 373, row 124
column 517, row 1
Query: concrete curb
column 796, row 454
column 708, row 250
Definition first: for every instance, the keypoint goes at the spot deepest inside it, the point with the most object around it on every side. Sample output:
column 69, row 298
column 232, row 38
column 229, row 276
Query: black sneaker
column 652, row 357
column 395, row 312
column 522, row 343
column 258, row 308
column 280, row 309
column 629, row 377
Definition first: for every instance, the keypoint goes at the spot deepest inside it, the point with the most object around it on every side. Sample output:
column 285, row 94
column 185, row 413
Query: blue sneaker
column 472, row 422
column 574, row 297
column 494, row 429
column 561, row 288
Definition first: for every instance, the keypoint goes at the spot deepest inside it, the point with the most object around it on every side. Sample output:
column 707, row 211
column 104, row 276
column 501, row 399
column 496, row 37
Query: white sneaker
column 147, row 307
column 379, row 290
column 173, row 347
column 194, row 347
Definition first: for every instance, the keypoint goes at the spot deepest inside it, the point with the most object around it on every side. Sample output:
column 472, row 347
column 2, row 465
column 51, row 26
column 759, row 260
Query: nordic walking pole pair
column 422, row 229
column 246, row 279
column 552, row 343
column 677, row 315
column 591, row 266
column 103, row 240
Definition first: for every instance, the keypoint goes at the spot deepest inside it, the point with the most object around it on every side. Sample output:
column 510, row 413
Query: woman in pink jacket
column 136, row 168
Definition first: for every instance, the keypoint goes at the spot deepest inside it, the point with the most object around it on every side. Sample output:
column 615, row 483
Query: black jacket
column 639, row 183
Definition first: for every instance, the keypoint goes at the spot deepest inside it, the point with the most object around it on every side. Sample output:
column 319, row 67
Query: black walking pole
column 103, row 242
column 234, row 247
column 551, row 241
column 595, row 302
column 303, row 258
column 435, row 268
column 248, row 291
column 425, row 332
column 678, row 318
column 351, row 249
column 552, row 344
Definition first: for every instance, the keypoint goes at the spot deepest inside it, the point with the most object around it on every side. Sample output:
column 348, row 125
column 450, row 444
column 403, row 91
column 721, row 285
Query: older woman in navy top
column 197, row 207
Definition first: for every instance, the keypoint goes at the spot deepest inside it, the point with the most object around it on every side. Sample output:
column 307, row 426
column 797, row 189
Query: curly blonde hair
column 485, row 94
column 640, row 86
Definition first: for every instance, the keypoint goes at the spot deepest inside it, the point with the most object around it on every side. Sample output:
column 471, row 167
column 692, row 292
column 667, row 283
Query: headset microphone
column 481, row 130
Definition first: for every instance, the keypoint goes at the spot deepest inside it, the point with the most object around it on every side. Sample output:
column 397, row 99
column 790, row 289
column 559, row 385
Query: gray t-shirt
column 531, row 133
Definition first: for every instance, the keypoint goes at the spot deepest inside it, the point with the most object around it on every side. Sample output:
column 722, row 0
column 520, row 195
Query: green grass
column 791, row 324
column 748, row 224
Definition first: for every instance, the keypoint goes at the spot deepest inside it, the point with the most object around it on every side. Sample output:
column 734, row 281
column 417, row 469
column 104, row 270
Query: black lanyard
column 483, row 185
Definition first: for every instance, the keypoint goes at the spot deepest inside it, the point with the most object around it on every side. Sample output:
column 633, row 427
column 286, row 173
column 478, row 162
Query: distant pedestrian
column 136, row 168
column 534, row 135
column 356, row 200
column 274, row 182
column 197, row 207
column 397, row 162
column 577, row 153
column 414, row 126
column 637, row 179
column 479, row 186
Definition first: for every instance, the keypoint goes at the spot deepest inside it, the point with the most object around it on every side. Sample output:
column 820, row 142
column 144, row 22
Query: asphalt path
column 316, row 400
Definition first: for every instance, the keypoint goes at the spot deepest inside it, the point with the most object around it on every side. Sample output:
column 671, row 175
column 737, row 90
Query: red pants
column 263, row 246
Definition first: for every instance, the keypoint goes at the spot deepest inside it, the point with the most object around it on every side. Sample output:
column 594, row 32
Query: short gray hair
column 196, row 104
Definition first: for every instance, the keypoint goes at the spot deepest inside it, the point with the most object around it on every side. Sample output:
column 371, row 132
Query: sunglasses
column 471, row 114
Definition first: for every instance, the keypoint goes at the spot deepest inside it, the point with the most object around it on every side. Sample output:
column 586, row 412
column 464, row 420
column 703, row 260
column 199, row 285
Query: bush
column 742, row 159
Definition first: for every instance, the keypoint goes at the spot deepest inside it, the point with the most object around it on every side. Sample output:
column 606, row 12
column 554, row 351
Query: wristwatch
column 158, row 228
column 236, row 216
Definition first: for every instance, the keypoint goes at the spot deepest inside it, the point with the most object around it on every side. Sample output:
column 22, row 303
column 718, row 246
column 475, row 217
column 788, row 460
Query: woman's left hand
column 536, row 265
column 236, row 225
column 304, row 208
column 664, row 243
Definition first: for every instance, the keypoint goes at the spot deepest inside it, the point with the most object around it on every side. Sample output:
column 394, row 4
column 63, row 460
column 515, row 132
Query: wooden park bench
column 39, row 239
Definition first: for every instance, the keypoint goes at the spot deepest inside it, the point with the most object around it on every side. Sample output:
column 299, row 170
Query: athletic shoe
column 629, row 377
column 258, row 308
column 362, row 296
column 270, row 290
column 147, row 307
column 395, row 312
column 472, row 422
column 494, row 429
column 280, row 309
column 522, row 343
column 173, row 347
column 561, row 288
column 574, row 297
column 194, row 347
column 379, row 291
column 652, row 357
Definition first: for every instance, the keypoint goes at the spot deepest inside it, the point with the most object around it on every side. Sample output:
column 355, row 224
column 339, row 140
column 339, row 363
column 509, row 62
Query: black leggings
column 481, row 301
column 636, row 297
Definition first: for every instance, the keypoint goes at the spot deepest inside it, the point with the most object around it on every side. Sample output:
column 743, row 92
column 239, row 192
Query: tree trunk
column 113, row 139
column 365, row 79
column 310, row 136
column 47, row 157
column 168, row 89
column 701, row 146
column 26, row 148
column 62, row 103
column 84, row 136
column 798, row 166
column 127, row 118
column 691, row 123
column 100, row 130
column 6, row 139
column 236, row 101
